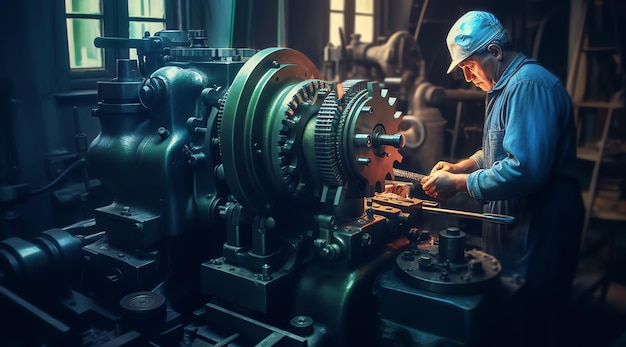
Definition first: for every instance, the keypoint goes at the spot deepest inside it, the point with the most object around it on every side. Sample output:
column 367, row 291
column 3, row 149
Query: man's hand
column 444, row 166
column 447, row 179
column 440, row 184
column 462, row 167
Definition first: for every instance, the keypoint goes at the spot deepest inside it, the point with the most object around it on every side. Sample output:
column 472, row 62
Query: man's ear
column 495, row 50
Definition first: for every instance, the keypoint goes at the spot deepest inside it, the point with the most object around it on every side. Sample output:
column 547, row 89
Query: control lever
column 152, row 51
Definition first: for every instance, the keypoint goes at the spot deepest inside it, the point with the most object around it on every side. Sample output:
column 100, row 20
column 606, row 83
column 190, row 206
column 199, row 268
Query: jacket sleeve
column 531, row 130
column 479, row 158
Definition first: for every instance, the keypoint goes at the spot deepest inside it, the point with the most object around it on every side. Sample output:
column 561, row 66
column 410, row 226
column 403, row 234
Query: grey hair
column 502, row 40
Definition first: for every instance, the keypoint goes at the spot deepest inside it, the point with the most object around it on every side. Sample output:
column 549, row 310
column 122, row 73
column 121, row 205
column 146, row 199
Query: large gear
column 328, row 135
column 352, row 89
column 351, row 136
column 261, row 119
column 372, row 113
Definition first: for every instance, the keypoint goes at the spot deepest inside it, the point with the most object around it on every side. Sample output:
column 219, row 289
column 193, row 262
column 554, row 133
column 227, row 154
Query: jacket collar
column 517, row 62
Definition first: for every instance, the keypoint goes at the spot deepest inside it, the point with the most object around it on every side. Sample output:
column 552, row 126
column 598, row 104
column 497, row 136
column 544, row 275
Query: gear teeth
column 326, row 147
column 287, row 161
column 220, row 115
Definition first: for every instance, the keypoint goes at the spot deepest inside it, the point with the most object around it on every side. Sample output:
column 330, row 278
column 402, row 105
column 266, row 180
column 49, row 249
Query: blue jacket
column 529, row 148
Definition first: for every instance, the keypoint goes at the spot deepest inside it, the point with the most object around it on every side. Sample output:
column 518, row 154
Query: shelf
column 613, row 213
column 611, row 156
column 598, row 104
column 605, row 49
column 586, row 153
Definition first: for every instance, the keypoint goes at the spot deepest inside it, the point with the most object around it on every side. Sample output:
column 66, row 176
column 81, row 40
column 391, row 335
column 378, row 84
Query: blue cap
column 470, row 33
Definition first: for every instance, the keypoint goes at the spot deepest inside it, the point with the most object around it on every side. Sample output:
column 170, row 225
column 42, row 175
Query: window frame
column 349, row 20
column 115, row 23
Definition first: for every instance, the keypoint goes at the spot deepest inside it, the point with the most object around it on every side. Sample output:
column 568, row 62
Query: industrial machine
column 252, row 205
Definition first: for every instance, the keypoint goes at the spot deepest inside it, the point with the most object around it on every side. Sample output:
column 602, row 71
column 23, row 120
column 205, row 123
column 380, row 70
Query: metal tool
column 408, row 174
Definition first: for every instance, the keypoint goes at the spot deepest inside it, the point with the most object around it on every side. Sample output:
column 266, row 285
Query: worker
column 526, row 169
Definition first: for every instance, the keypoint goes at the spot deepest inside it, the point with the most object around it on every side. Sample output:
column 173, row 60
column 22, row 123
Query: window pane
column 364, row 25
column 83, row 6
column 364, row 6
column 136, row 30
column 336, row 22
column 146, row 8
column 80, row 36
column 336, row 5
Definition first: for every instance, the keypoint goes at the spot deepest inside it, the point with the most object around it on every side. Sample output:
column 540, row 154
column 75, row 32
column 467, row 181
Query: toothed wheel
column 328, row 135
column 356, row 137
column 262, row 126
column 371, row 136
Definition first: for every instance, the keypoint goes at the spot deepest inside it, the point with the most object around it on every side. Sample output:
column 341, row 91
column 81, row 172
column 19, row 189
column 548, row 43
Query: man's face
column 480, row 71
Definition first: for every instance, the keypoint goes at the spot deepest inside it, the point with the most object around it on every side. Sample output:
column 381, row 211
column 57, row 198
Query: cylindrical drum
column 452, row 245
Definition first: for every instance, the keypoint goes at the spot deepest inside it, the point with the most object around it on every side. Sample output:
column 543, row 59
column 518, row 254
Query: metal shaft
column 489, row 217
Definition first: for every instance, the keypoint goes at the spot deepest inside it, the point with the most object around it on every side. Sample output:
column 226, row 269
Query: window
column 84, row 23
column 364, row 20
column 88, row 19
column 145, row 15
column 336, row 21
column 353, row 17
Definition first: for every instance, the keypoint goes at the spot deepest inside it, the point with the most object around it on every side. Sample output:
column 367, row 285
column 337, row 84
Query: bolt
column 163, row 133
column 367, row 109
column 196, row 159
column 444, row 275
column 364, row 161
column 125, row 211
column 475, row 266
column 147, row 92
column 266, row 272
column 425, row 260
column 275, row 64
column 363, row 140
column 330, row 251
column 325, row 251
column 366, row 239
column 407, row 255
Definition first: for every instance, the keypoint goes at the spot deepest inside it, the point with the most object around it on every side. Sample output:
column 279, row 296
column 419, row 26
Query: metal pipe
column 420, row 21
column 281, row 32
